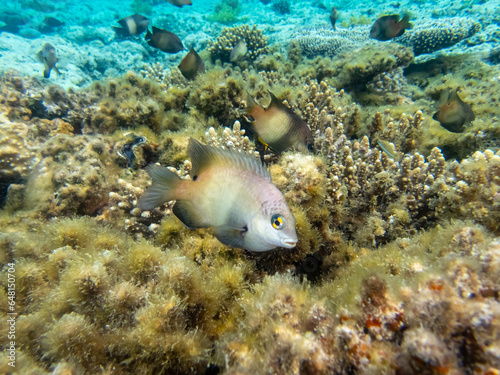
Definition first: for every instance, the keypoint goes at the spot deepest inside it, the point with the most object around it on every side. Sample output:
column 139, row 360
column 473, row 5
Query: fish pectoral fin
column 248, row 118
column 189, row 215
column 230, row 236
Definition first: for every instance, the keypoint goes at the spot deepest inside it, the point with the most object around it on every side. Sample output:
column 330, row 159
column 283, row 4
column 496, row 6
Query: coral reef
column 395, row 271
column 426, row 37
column 255, row 41
column 16, row 153
column 354, row 74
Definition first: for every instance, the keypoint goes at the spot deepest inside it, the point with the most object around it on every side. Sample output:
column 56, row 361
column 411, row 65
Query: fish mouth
column 289, row 243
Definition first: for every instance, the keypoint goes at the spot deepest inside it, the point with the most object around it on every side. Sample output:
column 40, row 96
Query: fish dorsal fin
column 445, row 97
column 275, row 102
column 157, row 30
column 203, row 157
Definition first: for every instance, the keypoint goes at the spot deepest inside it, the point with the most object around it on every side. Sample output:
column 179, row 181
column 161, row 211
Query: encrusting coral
column 395, row 271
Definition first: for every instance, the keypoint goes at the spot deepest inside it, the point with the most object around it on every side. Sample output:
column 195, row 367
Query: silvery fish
column 230, row 192
column 278, row 127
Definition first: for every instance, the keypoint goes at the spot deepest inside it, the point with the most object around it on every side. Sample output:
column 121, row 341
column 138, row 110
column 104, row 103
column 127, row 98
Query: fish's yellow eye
column 278, row 221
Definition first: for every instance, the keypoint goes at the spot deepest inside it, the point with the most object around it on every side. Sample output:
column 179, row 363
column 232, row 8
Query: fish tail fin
column 46, row 73
column 405, row 22
column 148, row 35
column 162, row 189
column 57, row 70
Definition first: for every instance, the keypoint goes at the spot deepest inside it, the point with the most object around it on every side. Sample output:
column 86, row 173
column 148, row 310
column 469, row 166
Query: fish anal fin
column 189, row 215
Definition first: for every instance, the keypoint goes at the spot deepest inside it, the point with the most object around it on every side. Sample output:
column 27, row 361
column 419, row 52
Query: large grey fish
column 278, row 127
column 230, row 192
column 47, row 55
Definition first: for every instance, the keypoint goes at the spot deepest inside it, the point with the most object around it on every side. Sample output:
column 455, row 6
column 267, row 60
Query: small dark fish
column 453, row 114
column 127, row 150
column 164, row 40
column 52, row 22
column 191, row 65
column 47, row 55
column 238, row 51
column 278, row 127
column 132, row 25
column 180, row 3
column 388, row 27
column 333, row 17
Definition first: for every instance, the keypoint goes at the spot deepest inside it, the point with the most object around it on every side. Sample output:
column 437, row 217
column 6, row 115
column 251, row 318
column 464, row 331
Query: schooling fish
column 333, row 17
column 164, row 40
column 388, row 27
column 278, row 127
column 47, row 55
column 453, row 114
column 191, row 65
column 180, row 3
column 132, row 25
column 230, row 192
column 238, row 51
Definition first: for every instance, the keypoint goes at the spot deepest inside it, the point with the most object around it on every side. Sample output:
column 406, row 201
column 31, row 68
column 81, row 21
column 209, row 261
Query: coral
column 406, row 133
column 354, row 74
column 327, row 42
column 255, row 41
column 412, row 192
column 426, row 37
column 433, row 35
column 16, row 151
column 281, row 6
column 397, row 265
column 226, row 12
column 73, row 176
column 128, row 103
column 232, row 139
column 219, row 95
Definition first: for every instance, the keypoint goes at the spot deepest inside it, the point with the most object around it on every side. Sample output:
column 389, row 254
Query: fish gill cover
column 396, row 204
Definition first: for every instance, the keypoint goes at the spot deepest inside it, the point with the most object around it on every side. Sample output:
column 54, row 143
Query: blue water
column 88, row 50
